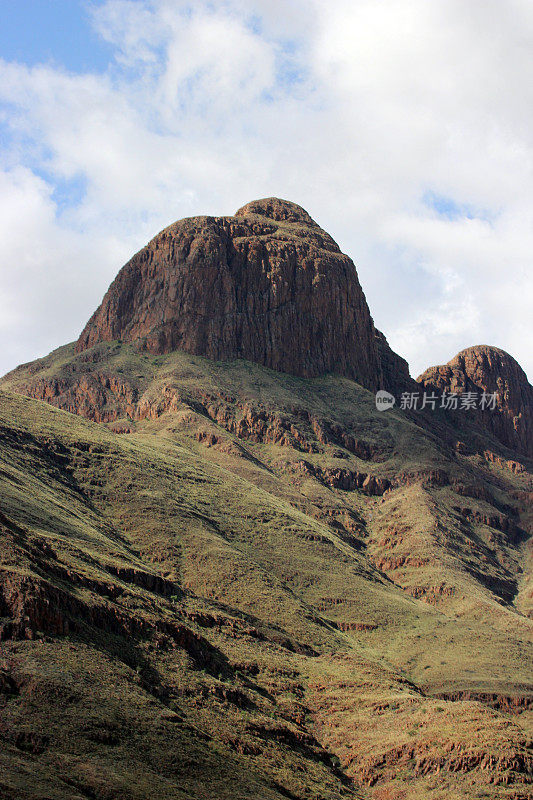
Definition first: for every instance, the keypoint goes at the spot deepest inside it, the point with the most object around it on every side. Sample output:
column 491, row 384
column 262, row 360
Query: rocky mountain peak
column 491, row 368
column 483, row 368
column 267, row 285
column 277, row 210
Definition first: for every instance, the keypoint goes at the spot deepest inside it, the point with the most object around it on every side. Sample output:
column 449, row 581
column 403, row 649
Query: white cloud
column 47, row 271
column 358, row 111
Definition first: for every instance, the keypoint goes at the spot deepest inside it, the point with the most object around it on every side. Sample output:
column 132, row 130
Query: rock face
column 394, row 369
column 267, row 285
column 488, row 369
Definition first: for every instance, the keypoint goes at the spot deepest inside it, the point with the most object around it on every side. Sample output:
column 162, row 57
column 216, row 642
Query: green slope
column 195, row 607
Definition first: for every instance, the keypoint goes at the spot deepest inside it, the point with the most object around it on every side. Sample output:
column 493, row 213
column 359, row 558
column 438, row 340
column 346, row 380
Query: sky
column 404, row 127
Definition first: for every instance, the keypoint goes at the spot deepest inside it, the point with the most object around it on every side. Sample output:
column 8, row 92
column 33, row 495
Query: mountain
column 267, row 285
column 490, row 370
column 226, row 574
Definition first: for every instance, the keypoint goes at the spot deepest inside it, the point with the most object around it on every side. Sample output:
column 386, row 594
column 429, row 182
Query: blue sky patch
column 52, row 31
column 67, row 192
column 450, row 209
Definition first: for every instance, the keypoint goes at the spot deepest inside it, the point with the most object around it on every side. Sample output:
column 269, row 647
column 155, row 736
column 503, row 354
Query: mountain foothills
column 225, row 574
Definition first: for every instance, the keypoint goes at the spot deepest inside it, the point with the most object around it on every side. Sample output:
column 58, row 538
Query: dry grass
column 297, row 626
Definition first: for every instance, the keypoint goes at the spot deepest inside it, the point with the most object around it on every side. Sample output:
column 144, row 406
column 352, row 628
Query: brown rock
column 375, row 486
column 488, row 369
column 394, row 368
column 267, row 285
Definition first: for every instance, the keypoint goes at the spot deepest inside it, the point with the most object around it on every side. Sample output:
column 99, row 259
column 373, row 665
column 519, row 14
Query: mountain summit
column 488, row 369
column 267, row 285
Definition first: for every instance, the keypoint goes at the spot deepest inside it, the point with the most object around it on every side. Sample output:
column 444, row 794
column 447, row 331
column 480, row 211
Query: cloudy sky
column 404, row 127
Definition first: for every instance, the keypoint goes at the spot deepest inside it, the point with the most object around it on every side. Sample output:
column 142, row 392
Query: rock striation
column 267, row 285
column 395, row 375
column 489, row 369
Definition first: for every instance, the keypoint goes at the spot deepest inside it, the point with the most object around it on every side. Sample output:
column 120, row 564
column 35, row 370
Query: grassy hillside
column 220, row 581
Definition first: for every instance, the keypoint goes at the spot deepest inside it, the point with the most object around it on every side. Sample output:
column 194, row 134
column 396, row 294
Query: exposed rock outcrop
column 267, row 285
column 487, row 369
column 394, row 369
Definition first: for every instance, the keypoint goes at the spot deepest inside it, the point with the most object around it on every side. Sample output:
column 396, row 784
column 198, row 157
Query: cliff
column 267, row 285
column 487, row 369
